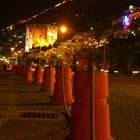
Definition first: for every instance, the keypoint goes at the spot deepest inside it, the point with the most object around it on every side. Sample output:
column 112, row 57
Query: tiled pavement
column 124, row 100
column 25, row 112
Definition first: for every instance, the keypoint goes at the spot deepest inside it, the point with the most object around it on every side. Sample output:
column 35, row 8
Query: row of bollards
column 58, row 83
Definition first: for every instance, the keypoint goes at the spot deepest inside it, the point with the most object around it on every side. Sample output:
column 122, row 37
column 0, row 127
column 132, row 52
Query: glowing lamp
column 63, row 29
column 126, row 21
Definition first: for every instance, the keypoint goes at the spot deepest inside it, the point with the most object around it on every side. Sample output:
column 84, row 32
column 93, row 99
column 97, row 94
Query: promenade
column 26, row 112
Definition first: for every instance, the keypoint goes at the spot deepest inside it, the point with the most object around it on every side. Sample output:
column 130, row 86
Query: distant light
column 133, row 33
column 35, row 64
column 20, row 42
column 131, row 7
column 63, row 29
column 126, row 20
column 12, row 49
column 91, row 28
column 116, row 71
column 11, row 27
column 77, row 62
column 135, row 72
column 10, row 40
column 135, row 18
column 19, row 51
column 100, row 45
column 102, row 70
column 59, row 55
column 14, row 35
column 77, row 15
column 106, row 70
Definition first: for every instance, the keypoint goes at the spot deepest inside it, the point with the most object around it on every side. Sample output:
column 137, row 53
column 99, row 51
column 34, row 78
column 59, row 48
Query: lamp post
column 40, row 45
column 62, row 31
column 103, row 43
column 104, row 57
column 12, row 51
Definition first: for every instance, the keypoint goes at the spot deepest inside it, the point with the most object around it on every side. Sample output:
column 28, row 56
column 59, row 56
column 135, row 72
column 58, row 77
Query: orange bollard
column 48, row 80
column 38, row 76
column 102, row 114
column 28, row 75
column 80, row 115
column 66, row 79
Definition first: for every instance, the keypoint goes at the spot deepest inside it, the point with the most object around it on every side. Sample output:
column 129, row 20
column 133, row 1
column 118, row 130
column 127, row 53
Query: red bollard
column 38, row 77
column 48, row 80
column 28, row 75
column 63, row 80
column 80, row 115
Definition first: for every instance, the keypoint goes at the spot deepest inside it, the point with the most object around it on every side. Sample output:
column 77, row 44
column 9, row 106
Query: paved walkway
column 124, row 100
column 25, row 112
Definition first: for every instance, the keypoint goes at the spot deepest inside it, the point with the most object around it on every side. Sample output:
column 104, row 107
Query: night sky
column 84, row 11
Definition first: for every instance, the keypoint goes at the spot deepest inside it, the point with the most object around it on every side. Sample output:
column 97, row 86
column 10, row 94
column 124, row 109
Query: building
column 127, row 24
column 40, row 35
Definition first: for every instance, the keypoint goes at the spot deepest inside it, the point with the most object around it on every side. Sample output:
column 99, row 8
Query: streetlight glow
column 63, row 29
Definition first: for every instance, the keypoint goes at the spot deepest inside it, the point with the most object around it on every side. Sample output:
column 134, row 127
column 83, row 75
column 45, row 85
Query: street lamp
column 40, row 45
column 63, row 29
column 103, row 43
column 104, row 58
column 12, row 50
column 62, row 32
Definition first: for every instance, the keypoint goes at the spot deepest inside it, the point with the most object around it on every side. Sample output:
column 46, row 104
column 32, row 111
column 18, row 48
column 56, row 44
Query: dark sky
column 87, row 11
